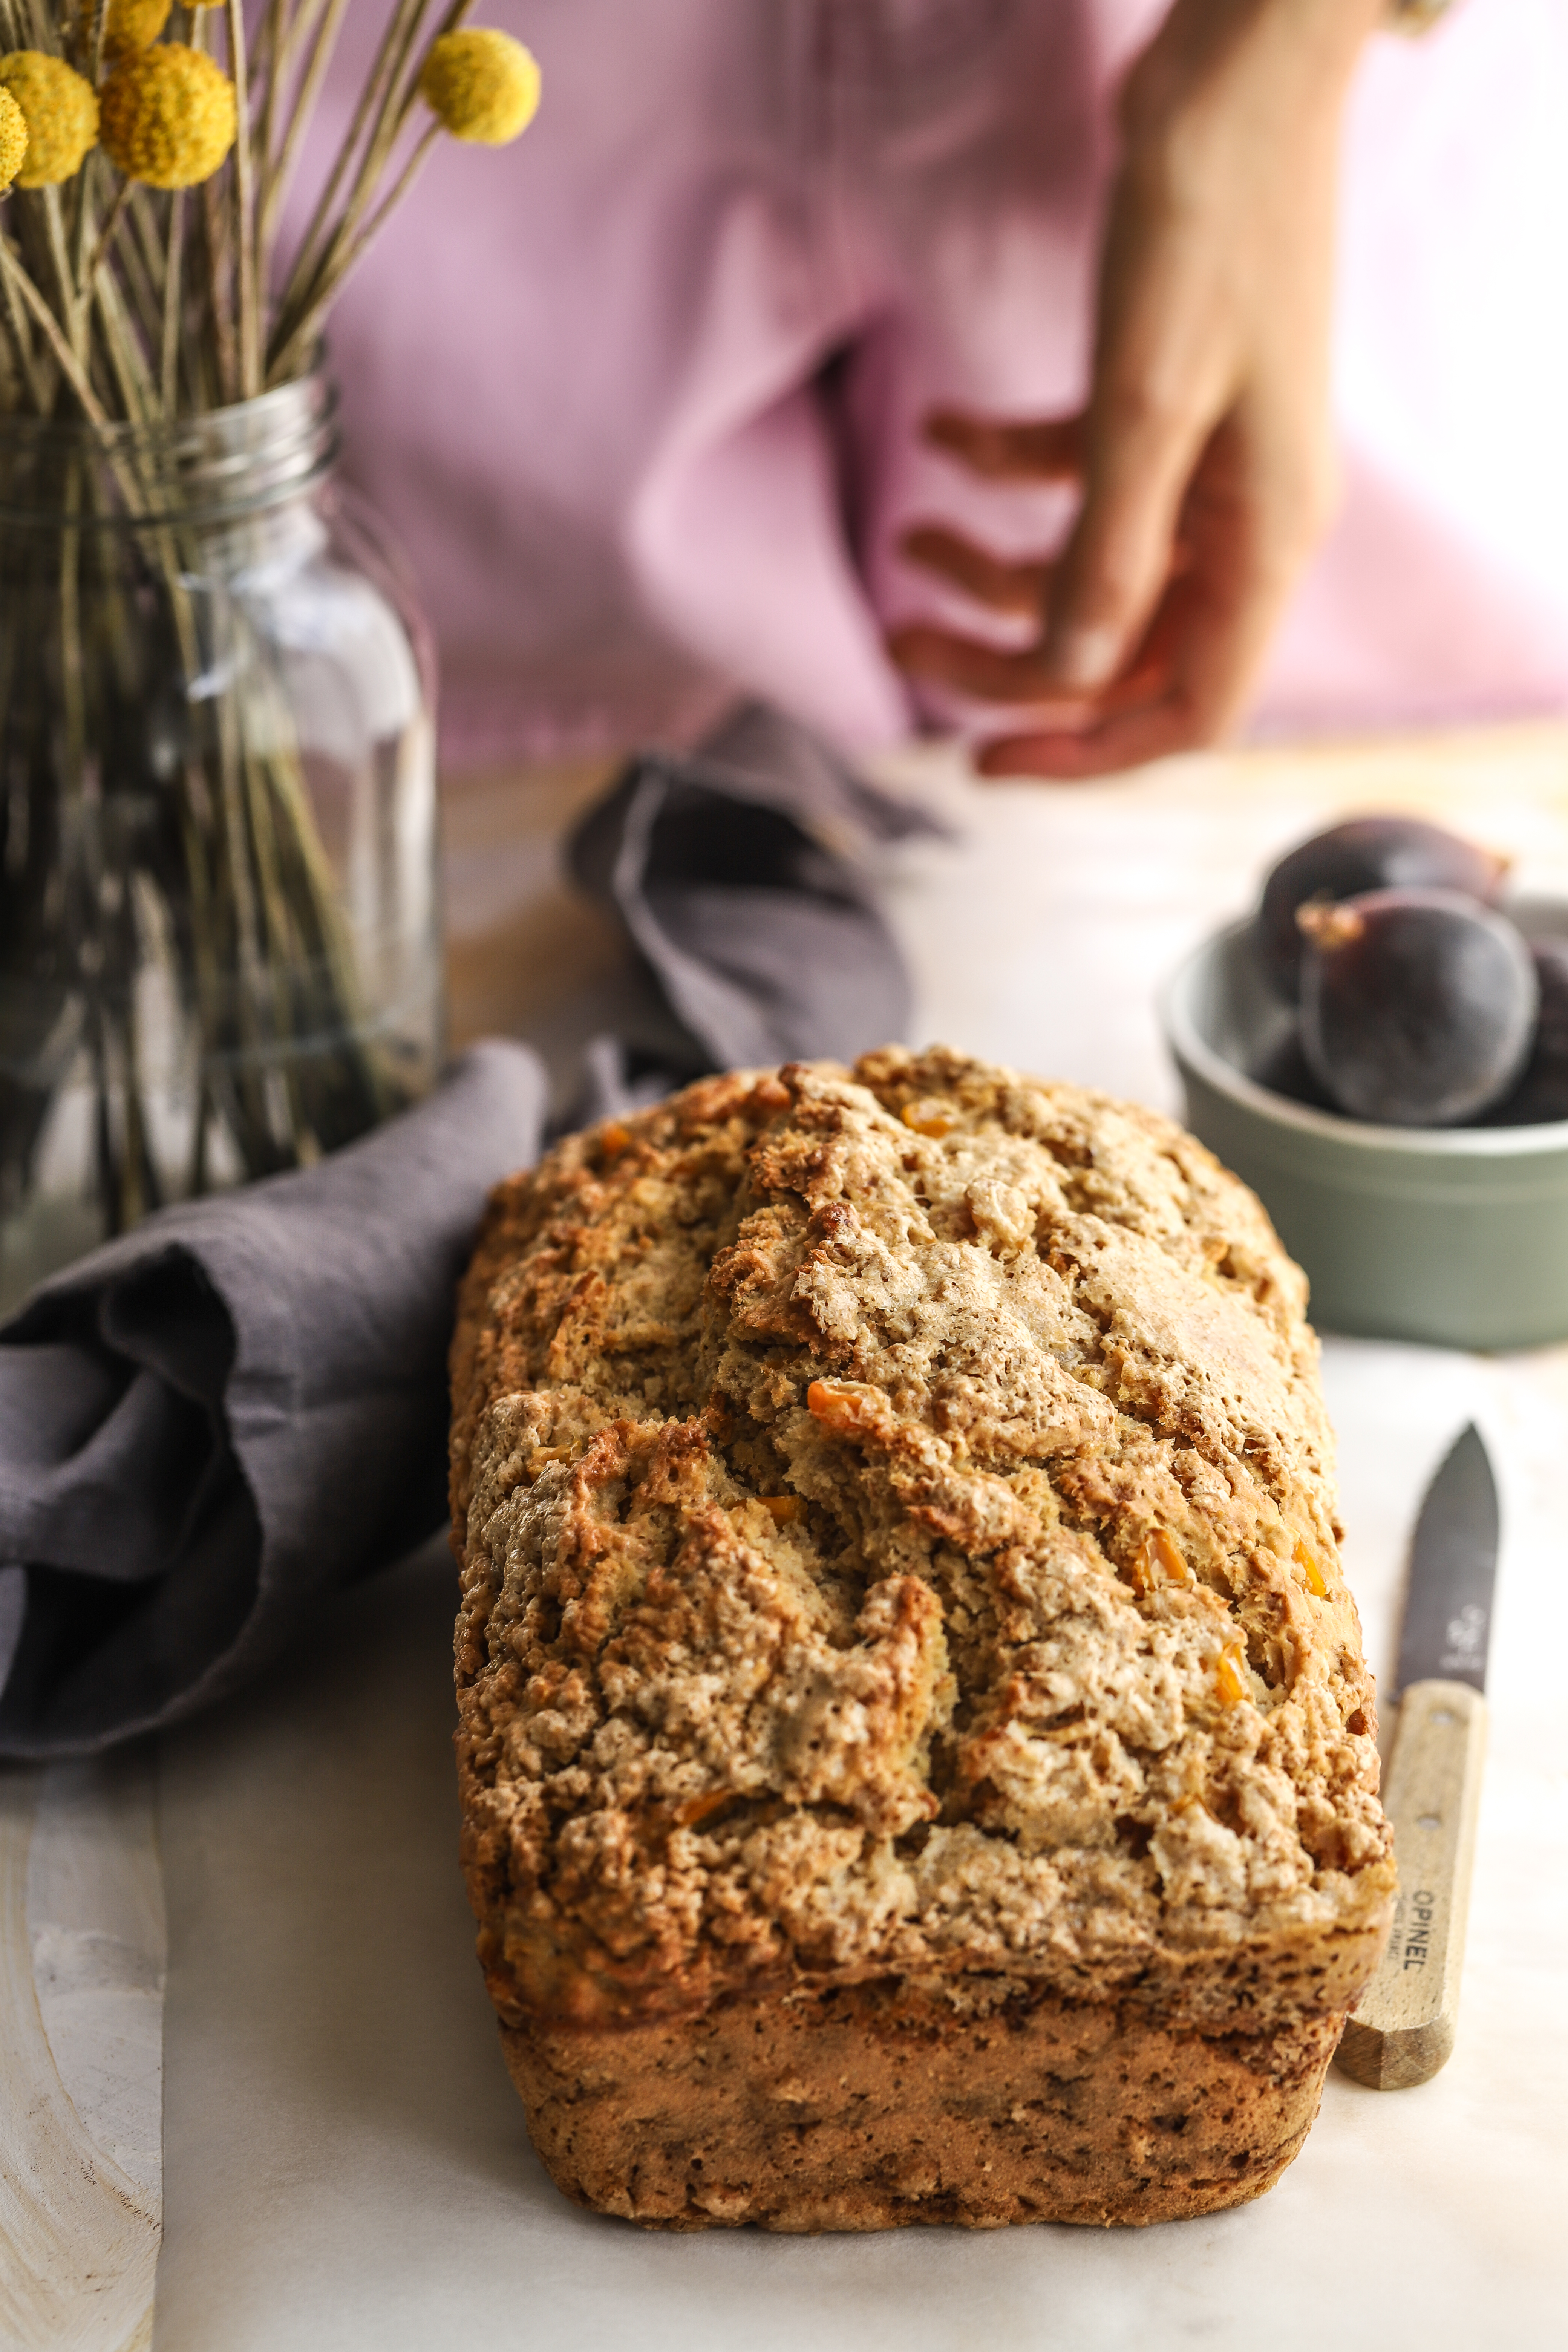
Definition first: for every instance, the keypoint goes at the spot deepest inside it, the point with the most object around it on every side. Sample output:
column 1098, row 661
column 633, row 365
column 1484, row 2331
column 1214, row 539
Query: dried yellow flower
column 59, row 109
column 480, row 85
column 129, row 24
column 168, row 115
column 13, row 139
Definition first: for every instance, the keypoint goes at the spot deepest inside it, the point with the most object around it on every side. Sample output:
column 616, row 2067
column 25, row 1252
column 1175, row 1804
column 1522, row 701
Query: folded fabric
column 739, row 875
column 239, row 1406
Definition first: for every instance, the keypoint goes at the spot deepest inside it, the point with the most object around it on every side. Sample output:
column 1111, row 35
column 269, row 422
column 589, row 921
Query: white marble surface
column 81, row 1989
column 345, row 2163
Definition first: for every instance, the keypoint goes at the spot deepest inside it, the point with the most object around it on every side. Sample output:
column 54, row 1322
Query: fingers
column 1119, row 555
column 1048, row 451
column 984, row 673
column 1216, row 533
column 1005, row 587
column 1122, row 544
column 1106, row 749
column 1177, row 694
column 1190, row 676
column 1150, row 715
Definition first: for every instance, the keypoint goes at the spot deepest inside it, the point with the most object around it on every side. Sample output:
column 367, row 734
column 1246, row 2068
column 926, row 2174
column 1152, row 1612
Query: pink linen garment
column 641, row 395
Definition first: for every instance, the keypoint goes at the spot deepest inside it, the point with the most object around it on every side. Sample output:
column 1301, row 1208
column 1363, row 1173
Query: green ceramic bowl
column 1455, row 1236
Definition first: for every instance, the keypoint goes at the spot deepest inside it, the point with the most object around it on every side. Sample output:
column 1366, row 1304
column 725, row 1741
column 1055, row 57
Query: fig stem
column 1329, row 927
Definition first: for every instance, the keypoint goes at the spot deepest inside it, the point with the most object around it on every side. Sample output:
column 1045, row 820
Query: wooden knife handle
column 1402, row 2030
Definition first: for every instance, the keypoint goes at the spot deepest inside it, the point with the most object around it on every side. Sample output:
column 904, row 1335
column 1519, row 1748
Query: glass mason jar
column 219, row 953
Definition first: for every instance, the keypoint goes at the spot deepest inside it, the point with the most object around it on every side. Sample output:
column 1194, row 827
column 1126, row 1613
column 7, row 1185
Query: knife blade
column 1401, row 2030
column 1453, row 1565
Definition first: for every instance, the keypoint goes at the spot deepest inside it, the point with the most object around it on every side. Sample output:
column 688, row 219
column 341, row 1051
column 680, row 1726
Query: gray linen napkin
column 236, row 1408
column 241, row 1406
column 738, row 874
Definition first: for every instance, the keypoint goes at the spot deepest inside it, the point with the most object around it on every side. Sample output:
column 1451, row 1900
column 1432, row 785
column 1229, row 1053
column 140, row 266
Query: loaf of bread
column 917, row 1759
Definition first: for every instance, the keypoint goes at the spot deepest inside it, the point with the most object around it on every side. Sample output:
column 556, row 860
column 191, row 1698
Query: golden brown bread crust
column 898, row 1542
column 874, row 2105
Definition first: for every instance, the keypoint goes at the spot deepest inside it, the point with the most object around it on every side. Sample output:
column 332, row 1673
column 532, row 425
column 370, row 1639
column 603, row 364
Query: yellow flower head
column 13, row 139
column 129, row 24
column 480, row 85
column 59, row 109
column 168, row 115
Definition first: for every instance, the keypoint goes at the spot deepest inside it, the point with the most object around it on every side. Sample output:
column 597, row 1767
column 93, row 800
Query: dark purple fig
column 1417, row 1006
column 1541, row 1093
column 1366, row 853
column 1284, row 1070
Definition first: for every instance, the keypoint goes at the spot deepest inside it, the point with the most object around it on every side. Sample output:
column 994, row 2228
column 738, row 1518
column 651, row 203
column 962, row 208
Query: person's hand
column 1203, row 456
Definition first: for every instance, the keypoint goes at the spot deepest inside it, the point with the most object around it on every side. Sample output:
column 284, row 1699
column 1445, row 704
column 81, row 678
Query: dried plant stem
column 244, row 210
column 304, row 336
column 267, row 87
column 12, row 324
column 126, row 357
column 281, row 168
column 81, row 227
column 274, row 942
column 400, row 31
column 145, row 247
column 203, row 960
column 55, row 231
column 457, row 10
column 93, row 61
column 169, row 356
column 140, row 284
column 242, row 907
column 301, row 25
column 308, row 294
column 106, row 236
column 263, row 50
column 69, row 365
column 121, row 347
column 21, row 337
column 402, row 92
column 224, row 362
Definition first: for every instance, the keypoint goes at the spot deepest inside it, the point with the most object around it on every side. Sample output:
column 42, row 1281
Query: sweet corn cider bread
column 917, row 1759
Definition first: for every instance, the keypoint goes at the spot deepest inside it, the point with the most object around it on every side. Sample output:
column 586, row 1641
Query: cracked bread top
column 896, row 1529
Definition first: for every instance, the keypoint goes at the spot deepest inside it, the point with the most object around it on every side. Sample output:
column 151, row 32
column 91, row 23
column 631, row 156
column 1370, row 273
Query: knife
column 1401, row 2030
